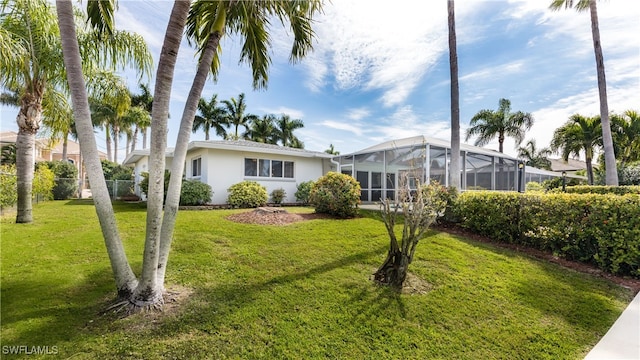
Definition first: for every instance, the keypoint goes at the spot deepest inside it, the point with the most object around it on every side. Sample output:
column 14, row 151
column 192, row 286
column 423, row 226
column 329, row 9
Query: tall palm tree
column 262, row 130
column 242, row 18
column 211, row 116
column 534, row 157
column 126, row 281
column 236, row 114
column 626, row 136
column 31, row 60
column 579, row 134
column 611, row 171
column 487, row 124
column 138, row 118
column 454, row 170
column 145, row 101
column 285, row 126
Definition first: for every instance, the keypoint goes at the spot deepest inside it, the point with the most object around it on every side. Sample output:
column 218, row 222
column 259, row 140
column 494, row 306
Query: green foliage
column 8, row 154
column 144, row 183
column 534, row 186
column 629, row 174
column 8, row 186
column 449, row 195
column 336, row 194
column 600, row 189
column 603, row 230
column 66, row 177
column 43, row 183
column 278, row 195
column 303, row 191
column 115, row 171
column 247, row 194
column 194, row 192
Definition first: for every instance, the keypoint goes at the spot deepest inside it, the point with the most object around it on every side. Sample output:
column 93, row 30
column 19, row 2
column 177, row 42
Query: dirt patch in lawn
column 633, row 284
column 273, row 216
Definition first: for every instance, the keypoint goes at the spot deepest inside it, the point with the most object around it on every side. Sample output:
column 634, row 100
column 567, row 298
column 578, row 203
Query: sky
column 380, row 72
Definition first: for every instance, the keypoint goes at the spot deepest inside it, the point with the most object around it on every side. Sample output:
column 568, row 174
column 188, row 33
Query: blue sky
column 381, row 72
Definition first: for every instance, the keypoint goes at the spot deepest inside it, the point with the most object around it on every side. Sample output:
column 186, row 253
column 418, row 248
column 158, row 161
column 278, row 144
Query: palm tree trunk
column 107, row 137
column 149, row 291
column 116, row 135
column 28, row 120
column 180, row 152
column 124, row 277
column 454, row 169
column 134, row 139
column 607, row 139
column 144, row 138
column 589, row 161
column 65, row 143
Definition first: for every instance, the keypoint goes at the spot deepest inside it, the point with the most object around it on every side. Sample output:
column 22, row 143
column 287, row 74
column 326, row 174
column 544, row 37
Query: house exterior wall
column 142, row 166
column 223, row 168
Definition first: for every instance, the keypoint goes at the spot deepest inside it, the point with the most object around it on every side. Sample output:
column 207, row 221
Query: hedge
column 603, row 230
column 599, row 189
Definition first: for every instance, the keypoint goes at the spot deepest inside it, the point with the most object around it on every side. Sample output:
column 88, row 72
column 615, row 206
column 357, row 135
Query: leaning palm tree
column 534, row 157
column 211, row 116
column 579, row 134
column 262, row 130
column 487, row 124
column 211, row 19
column 611, row 171
column 285, row 126
column 144, row 100
column 454, row 171
column 236, row 114
column 31, row 60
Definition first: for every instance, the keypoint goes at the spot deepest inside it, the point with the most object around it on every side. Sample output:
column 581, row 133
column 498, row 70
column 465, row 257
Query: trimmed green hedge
column 599, row 189
column 603, row 230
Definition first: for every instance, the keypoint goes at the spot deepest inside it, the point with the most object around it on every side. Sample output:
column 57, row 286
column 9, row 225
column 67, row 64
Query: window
column 196, row 167
column 250, row 167
column 268, row 168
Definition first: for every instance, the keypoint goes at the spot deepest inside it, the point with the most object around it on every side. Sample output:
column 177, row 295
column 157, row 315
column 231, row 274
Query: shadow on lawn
column 590, row 307
column 118, row 206
column 44, row 313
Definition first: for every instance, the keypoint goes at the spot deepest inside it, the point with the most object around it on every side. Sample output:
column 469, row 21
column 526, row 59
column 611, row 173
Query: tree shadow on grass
column 582, row 300
column 118, row 206
column 43, row 313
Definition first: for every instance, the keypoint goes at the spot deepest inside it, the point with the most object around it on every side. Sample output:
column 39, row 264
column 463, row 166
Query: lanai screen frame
column 379, row 169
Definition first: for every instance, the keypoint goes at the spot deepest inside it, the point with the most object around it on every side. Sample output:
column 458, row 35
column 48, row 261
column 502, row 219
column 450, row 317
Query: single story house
column 222, row 163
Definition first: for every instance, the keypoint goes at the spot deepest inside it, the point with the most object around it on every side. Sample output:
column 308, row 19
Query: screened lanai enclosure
column 382, row 168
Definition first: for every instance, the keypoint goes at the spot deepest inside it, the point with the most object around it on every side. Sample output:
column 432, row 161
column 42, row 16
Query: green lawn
column 300, row 291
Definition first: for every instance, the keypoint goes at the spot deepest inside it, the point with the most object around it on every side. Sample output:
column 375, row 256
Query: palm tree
column 454, row 170
column 285, row 126
column 579, row 134
column 626, row 136
column 534, row 157
column 262, row 130
column 236, row 116
column 611, row 172
column 243, row 18
column 332, row 151
column 32, row 62
column 138, row 119
column 145, row 101
column 211, row 117
column 486, row 124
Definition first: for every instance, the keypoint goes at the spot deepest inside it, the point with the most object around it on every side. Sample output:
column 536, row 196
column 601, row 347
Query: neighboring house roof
column 421, row 139
column 569, row 165
column 234, row 145
column 10, row 137
column 533, row 170
column 73, row 148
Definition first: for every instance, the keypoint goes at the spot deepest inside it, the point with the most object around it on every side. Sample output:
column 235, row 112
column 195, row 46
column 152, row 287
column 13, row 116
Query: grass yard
column 300, row 291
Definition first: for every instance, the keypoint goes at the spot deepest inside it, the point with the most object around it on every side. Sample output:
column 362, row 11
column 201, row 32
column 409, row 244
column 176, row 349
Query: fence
column 121, row 189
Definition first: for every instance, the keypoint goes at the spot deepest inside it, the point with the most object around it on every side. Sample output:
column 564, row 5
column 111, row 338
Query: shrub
column 600, row 189
column 278, row 195
column 115, row 171
column 144, row 183
column 43, row 183
column 629, row 174
column 336, row 194
column 603, row 230
column 194, row 192
column 8, row 186
column 533, row 186
column 304, row 191
column 247, row 194
column 66, row 175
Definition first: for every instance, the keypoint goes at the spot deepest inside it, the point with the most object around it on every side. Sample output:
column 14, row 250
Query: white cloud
column 358, row 113
column 293, row 113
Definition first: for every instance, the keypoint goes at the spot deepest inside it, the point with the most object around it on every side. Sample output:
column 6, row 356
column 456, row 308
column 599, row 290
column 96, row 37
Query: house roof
column 421, row 140
column 234, row 145
column 569, row 165
column 73, row 148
